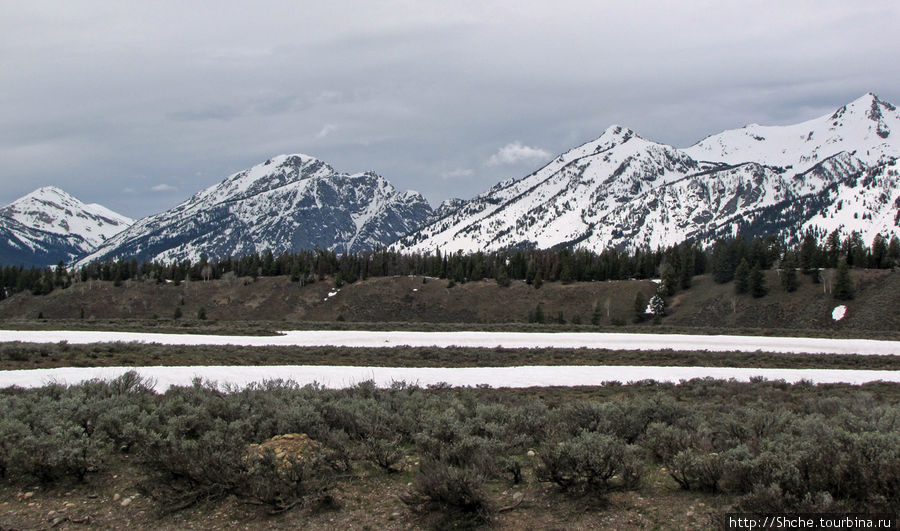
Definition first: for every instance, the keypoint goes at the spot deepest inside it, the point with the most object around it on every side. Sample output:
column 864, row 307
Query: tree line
column 736, row 259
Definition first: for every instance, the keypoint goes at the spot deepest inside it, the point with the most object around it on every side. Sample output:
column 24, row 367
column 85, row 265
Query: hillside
column 281, row 303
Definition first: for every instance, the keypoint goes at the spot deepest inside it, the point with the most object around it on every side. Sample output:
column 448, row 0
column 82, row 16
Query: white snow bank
column 341, row 376
column 354, row 338
column 838, row 312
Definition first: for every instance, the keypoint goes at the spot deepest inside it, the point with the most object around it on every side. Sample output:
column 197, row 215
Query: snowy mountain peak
column 835, row 172
column 289, row 202
column 862, row 127
column 49, row 225
column 53, row 210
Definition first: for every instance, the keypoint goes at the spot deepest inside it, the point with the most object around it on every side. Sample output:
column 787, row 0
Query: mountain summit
column 835, row 172
column 49, row 225
column 286, row 203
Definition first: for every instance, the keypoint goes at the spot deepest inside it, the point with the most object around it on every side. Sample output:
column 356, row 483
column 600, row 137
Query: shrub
column 62, row 451
column 186, row 471
column 665, row 441
column 694, row 470
column 456, row 491
column 589, row 461
column 384, row 453
column 285, row 481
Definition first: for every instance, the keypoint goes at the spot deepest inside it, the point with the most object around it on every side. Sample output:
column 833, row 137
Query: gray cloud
column 100, row 95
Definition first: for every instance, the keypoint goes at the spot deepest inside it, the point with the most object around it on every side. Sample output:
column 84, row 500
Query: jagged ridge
column 289, row 202
column 623, row 191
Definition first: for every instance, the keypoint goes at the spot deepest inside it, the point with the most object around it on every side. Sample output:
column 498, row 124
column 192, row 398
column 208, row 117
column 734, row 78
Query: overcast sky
column 138, row 105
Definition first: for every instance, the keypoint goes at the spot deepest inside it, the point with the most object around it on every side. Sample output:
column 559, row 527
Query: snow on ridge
column 855, row 127
column 337, row 377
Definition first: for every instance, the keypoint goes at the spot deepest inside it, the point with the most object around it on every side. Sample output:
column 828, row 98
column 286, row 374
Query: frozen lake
column 352, row 338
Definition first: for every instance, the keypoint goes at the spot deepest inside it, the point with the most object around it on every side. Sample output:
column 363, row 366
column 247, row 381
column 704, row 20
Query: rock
column 288, row 449
column 56, row 521
column 68, row 505
column 116, row 496
column 126, row 502
column 28, row 496
column 530, row 453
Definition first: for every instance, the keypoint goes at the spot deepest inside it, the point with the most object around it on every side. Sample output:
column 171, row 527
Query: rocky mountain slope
column 836, row 172
column 49, row 225
column 289, row 202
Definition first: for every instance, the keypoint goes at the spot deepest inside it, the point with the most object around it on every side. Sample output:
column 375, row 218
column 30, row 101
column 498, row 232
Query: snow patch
column 838, row 312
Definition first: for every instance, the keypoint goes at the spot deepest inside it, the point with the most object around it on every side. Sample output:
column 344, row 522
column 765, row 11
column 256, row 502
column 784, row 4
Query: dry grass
column 269, row 304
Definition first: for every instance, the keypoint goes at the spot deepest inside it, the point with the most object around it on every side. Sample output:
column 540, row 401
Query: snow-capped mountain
column 49, row 225
column 836, row 172
column 289, row 202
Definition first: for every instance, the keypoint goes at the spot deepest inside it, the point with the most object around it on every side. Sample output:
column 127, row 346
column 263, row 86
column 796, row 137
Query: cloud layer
column 101, row 96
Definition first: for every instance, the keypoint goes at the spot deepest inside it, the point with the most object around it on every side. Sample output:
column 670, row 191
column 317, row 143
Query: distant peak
column 50, row 190
column 869, row 104
column 617, row 130
column 47, row 192
column 615, row 135
column 289, row 158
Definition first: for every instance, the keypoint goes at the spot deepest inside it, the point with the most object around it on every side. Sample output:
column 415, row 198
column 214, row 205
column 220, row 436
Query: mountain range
column 835, row 172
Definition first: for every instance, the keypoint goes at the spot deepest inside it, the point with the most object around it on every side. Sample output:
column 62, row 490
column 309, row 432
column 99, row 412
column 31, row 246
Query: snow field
column 343, row 376
column 358, row 338
column 525, row 376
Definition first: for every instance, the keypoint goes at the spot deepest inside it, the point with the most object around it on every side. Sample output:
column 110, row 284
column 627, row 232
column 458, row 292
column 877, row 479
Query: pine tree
column 539, row 314
column 502, row 278
column 789, row 273
column 742, row 277
column 669, row 279
column 640, row 307
column 565, row 274
column 893, row 252
column 843, row 285
column 597, row 315
column 657, row 305
column 809, row 248
column 538, row 281
column 878, row 258
column 757, row 282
